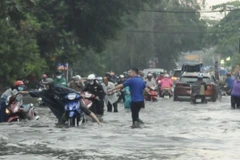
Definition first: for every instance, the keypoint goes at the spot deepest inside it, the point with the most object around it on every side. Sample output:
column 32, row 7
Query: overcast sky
column 210, row 3
column 214, row 2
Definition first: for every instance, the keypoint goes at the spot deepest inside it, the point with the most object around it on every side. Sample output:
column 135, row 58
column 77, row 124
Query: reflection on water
column 172, row 131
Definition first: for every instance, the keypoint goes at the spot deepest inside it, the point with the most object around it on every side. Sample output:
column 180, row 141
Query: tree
column 225, row 34
column 160, row 35
column 19, row 53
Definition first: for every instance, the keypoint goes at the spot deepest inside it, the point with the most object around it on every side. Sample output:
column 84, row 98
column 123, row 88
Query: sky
column 214, row 2
column 210, row 3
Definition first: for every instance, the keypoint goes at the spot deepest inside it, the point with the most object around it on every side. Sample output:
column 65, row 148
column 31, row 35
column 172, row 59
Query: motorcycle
column 72, row 109
column 87, row 100
column 166, row 93
column 225, row 90
column 17, row 112
column 152, row 94
column 197, row 96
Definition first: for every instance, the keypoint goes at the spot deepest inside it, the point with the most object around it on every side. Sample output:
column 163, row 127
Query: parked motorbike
column 152, row 94
column 166, row 93
column 17, row 112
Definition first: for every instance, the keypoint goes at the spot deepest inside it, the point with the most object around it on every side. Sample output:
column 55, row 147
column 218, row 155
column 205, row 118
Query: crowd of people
column 108, row 90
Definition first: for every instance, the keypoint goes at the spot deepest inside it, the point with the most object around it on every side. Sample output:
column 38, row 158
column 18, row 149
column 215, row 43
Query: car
column 152, row 70
column 182, row 90
column 176, row 75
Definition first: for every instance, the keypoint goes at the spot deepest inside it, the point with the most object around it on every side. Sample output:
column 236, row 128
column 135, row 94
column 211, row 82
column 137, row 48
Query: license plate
column 166, row 96
column 198, row 100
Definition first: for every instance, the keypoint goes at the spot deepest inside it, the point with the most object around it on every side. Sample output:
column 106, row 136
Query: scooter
column 17, row 112
column 225, row 90
column 72, row 110
column 166, row 93
column 197, row 97
column 87, row 100
column 152, row 94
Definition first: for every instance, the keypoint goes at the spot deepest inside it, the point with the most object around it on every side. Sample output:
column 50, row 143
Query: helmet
column 200, row 75
column 58, row 72
column 149, row 75
column 18, row 83
column 48, row 81
column 121, row 76
column 44, row 76
column 78, row 77
column 154, row 74
column 91, row 77
column 166, row 75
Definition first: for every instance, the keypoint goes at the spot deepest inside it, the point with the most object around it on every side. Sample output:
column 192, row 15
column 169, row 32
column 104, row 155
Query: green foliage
column 61, row 31
column 161, row 35
column 94, row 35
column 235, row 60
column 225, row 33
column 19, row 53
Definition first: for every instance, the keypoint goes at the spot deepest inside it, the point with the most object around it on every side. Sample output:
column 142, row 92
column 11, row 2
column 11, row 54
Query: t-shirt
column 137, row 86
column 229, row 81
column 61, row 81
column 236, row 88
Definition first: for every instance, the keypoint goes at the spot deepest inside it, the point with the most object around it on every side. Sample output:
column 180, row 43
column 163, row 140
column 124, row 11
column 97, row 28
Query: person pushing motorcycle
column 53, row 96
column 95, row 88
column 16, row 90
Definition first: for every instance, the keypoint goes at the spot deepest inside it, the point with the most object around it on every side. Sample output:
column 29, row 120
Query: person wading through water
column 137, row 85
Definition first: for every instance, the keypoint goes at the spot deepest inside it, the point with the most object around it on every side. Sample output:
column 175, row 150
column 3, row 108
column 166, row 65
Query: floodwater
column 172, row 131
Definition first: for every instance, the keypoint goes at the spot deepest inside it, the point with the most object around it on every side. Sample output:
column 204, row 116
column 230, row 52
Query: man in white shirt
column 111, row 97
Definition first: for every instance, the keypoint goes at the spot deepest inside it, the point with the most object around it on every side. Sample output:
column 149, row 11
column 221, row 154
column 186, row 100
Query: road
column 172, row 131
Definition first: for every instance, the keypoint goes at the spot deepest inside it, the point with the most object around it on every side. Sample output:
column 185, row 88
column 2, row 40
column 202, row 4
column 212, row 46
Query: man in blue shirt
column 229, row 81
column 137, row 85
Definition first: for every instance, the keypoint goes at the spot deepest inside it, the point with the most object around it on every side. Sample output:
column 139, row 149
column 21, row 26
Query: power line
column 177, row 32
column 183, row 11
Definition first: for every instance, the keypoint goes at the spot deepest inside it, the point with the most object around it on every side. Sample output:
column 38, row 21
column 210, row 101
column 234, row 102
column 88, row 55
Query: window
column 192, row 79
column 177, row 74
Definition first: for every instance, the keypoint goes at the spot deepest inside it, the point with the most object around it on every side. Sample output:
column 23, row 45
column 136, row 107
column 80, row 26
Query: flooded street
column 172, row 130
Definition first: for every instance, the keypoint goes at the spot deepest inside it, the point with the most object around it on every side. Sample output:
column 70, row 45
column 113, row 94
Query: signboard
column 63, row 67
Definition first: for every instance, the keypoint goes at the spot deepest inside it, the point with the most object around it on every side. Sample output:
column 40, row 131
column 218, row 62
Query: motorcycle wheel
column 71, row 122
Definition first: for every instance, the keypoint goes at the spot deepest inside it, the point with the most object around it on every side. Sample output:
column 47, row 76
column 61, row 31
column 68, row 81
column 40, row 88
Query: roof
column 145, row 71
column 195, row 74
